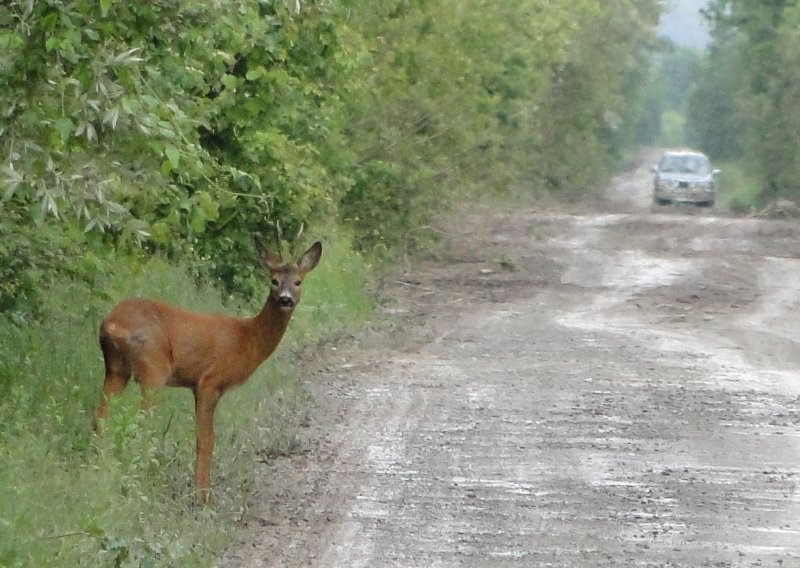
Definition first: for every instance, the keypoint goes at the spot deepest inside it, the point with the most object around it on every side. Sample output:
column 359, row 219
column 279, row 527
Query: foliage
column 186, row 126
column 680, row 68
column 674, row 73
column 161, row 124
column 739, row 186
column 673, row 129
column 598, row 95
column 744, row 106
column 481, row 97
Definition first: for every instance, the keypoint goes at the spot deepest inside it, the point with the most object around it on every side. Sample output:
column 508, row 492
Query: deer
column 165, row 346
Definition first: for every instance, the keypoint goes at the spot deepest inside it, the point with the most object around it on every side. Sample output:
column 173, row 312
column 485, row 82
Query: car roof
column 684, row 153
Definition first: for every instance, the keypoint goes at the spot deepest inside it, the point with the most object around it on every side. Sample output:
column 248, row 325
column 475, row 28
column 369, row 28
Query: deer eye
column 298, row 282
column 275, row 282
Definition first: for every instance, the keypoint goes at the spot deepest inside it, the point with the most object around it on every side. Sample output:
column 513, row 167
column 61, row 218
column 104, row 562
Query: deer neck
column 271, row 323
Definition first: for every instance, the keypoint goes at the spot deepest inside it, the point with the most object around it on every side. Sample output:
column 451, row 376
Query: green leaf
column 111, row 117
column 105, row 6
column 229, row 81
column 149, row 101
column 161, row 233
column 130, row 105
column 174, row 156
column 197, row 220
column 65, row 128
column 208, row 205
column 254, row 74
column 154, row 146
column 49, row 21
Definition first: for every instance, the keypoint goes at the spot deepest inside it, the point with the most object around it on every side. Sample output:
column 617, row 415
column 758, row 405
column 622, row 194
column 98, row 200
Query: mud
column 617, row 386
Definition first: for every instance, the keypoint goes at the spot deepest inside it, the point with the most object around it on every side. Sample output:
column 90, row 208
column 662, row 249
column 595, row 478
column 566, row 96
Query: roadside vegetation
column 740, row 189
column 70, row 498
column 741, row 109
column 141, row 146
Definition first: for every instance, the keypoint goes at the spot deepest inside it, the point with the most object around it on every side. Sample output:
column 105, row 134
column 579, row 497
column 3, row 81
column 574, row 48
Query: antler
column 295, row 242
column 278, row 245
column 295, row 250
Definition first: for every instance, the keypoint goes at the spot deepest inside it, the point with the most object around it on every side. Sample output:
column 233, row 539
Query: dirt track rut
column 618, row 387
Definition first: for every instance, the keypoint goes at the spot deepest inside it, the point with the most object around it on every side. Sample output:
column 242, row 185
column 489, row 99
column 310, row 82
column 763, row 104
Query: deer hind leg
column 206, row 400
column 152, row 370
column 117, row 375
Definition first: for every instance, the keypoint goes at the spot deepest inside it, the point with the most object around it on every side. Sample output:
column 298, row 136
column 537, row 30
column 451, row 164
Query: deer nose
column 286, row 301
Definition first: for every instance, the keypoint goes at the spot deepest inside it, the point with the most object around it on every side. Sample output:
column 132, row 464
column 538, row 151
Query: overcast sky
column 683, row 23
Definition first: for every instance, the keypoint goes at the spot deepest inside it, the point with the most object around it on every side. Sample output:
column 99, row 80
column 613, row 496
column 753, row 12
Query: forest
column 143, row 144
column 741, row 107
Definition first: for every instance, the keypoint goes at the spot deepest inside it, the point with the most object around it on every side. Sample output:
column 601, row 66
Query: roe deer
column 162, row 345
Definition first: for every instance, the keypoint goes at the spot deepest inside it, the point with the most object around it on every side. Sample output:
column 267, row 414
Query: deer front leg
column 205, row 401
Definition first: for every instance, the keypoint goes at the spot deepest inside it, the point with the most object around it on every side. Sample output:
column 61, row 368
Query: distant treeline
column 744, row 106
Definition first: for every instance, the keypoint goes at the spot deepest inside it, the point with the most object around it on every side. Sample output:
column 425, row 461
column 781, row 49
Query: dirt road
column 614, row 387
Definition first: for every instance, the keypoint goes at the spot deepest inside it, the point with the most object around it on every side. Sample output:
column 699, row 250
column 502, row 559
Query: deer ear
column 270, row 260
column 310, row 259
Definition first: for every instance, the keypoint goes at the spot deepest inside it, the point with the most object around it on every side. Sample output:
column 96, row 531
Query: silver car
column 684, row 177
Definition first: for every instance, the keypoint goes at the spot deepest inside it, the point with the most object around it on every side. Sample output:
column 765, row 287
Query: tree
column 745, row 104
column 182, row 127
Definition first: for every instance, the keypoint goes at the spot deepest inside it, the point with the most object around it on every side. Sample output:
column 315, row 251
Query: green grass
column 70, row 498
column 738, row 186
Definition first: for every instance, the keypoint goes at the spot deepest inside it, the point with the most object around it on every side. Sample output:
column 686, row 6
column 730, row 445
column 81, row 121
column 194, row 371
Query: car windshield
column 686, row 164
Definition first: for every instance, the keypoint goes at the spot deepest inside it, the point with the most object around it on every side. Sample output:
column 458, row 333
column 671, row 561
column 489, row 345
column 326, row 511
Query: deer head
column 287, row 278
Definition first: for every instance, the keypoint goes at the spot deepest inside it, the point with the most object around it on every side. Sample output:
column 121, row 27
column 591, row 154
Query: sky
column 683, row 23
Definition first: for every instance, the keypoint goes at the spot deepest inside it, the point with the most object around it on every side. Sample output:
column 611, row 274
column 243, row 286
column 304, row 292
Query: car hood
column 678, row 177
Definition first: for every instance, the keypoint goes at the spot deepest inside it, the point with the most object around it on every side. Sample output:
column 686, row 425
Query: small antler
column 278, row 244
column 293, row 246
column 296, row 243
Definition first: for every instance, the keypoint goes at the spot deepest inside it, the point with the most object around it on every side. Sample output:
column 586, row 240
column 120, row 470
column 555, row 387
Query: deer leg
column 152, row 371
column 206, row 400
column 113, row 385
column 118, row 373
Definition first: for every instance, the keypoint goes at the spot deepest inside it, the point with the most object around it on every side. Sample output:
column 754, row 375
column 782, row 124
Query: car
column 684, row 176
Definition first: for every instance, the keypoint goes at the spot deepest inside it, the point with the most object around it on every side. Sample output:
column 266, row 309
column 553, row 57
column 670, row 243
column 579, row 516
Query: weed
column 738, row 187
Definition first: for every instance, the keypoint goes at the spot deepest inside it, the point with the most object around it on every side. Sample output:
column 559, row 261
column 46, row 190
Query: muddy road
column 615, row 386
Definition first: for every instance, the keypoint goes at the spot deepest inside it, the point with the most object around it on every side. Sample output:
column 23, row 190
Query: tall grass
column 738, row 186
column 70, row 498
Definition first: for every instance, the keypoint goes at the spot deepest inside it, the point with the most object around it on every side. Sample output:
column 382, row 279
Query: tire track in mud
column 623, row 393
column 736, row 412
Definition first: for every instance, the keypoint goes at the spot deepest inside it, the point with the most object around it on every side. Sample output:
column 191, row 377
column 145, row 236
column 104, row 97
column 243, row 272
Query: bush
column 738, row 186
